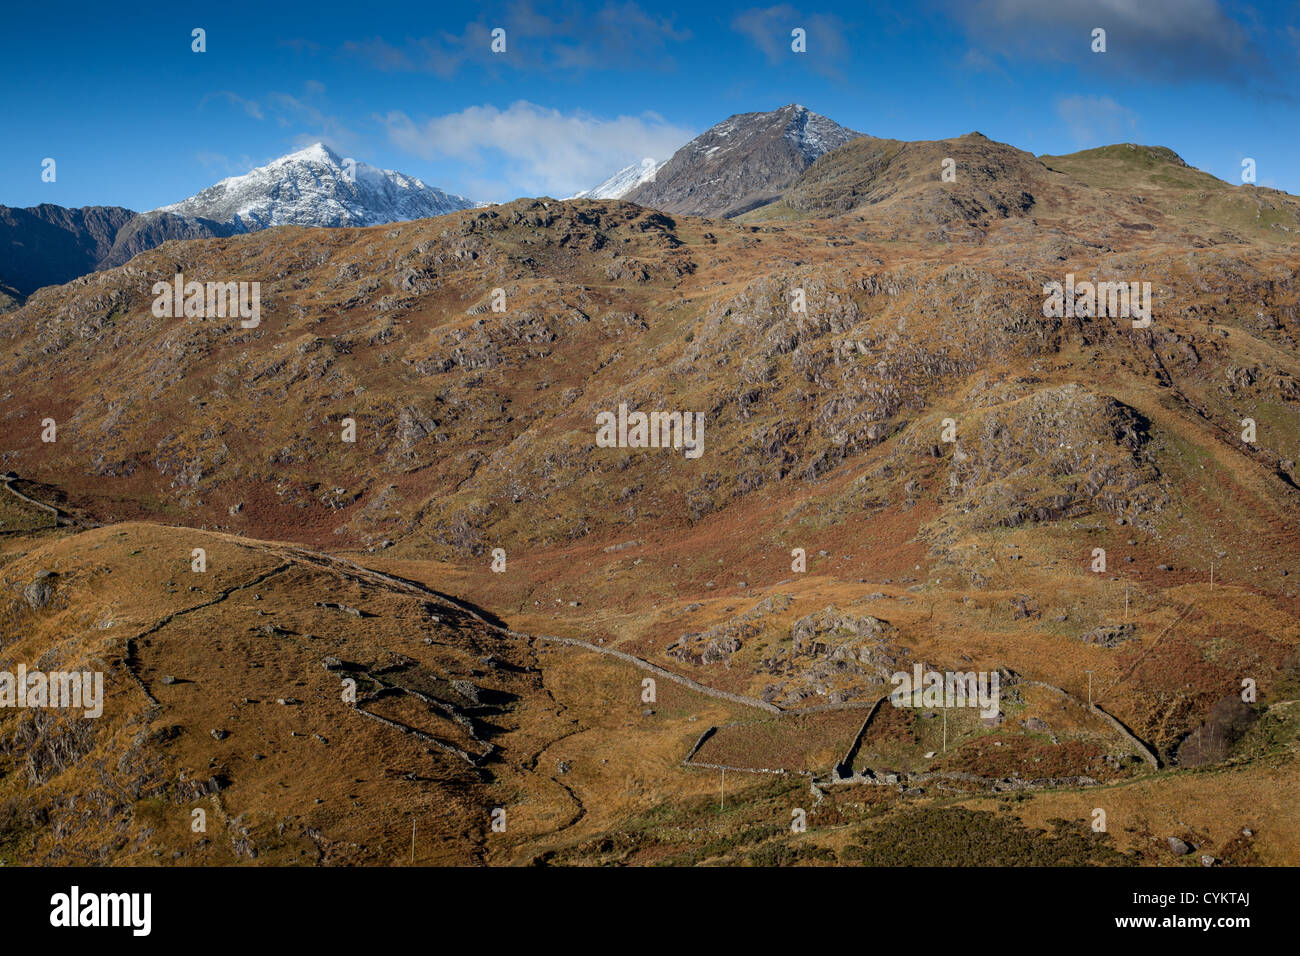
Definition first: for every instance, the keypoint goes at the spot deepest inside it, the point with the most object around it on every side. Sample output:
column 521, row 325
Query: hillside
column 947, row 457
column 1102, row 193
column 1159, row 176
column 49, row 245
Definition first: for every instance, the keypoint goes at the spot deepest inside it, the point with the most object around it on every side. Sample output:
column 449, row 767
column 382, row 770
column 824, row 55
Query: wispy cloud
column 301, row 45
column 542, row 151
column 980, row 62
column 382, row 55
column 1096, row 120
column 225, row 165
column 618, row 35
column 770, row 29
column 1166, row 40
column 312, row 124
column 306, row 121
column 251, row 107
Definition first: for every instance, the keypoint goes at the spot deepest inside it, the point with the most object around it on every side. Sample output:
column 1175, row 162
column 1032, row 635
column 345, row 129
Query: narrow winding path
column 296, row 554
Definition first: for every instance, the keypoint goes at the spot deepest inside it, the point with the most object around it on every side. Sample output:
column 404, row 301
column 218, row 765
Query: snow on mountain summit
column 743, row 162
column 623, row 181
column 813, row 134
column 316, row 187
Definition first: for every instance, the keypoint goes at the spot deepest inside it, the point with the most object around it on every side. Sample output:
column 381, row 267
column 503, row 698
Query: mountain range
column 785, row 163
column 740, row 163
column 909, row 460
column 316, row 187
column 48, row 244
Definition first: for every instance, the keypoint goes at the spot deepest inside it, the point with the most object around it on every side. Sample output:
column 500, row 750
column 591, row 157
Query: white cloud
column 312, row 123
column 299, row 113
column 544, row 151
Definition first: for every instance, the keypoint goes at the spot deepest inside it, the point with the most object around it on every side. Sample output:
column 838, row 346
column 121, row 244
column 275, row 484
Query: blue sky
column 133, row 117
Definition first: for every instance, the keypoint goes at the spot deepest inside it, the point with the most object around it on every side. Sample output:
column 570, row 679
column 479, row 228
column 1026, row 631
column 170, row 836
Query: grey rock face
column 40, row 592
column 49, row 245
column 742, row 163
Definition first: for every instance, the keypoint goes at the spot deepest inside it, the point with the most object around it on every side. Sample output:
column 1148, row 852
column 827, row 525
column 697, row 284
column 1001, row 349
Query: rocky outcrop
column 834, row 657
column 1058, row 452
column 718, row 643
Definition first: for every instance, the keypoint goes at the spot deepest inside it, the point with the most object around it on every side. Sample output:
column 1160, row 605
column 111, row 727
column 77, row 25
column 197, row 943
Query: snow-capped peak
column 315, row 153
column 623, row 181
column 813, row 134
column 316, row 187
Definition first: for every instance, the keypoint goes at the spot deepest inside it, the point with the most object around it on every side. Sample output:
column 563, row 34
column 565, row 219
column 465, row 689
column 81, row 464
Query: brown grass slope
column 824, row 431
